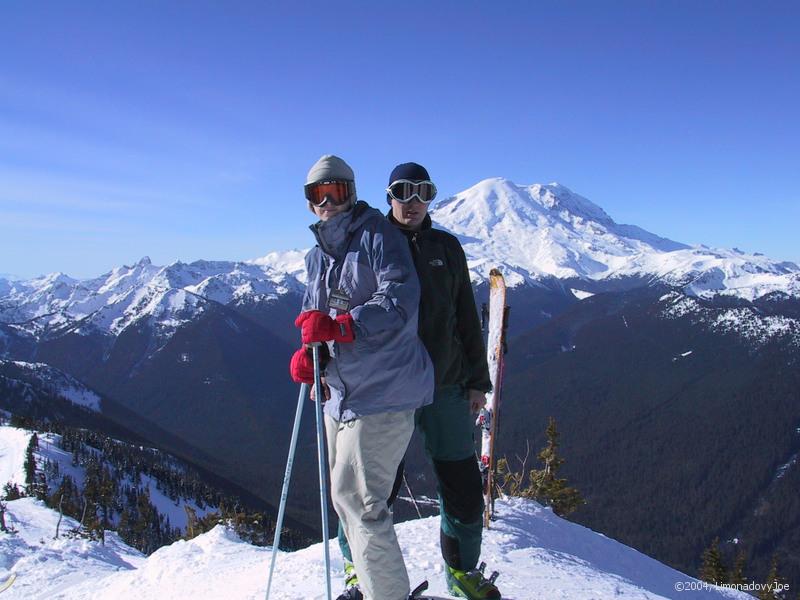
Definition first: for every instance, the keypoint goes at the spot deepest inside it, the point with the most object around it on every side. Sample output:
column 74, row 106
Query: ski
column 7, row 583
column 487, row 419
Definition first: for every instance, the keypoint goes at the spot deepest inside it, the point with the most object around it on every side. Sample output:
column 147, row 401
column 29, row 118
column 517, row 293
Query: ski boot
column 472, row 584
column 351, row 589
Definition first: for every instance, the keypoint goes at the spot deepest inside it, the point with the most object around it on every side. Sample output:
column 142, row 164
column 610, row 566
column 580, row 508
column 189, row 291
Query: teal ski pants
column 448, row 427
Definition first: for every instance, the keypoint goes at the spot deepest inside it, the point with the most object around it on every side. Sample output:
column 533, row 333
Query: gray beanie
column 330, row 167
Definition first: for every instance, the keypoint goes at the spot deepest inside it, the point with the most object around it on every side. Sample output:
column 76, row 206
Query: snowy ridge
column 168, row 296
column 60, row 384
column 749, row 324
column 541, row 231
column 292, row 262
column 539, row 555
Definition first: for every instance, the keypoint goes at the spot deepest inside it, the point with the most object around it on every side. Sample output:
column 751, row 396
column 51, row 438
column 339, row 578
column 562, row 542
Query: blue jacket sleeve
column 396, row 299
column 314, row 288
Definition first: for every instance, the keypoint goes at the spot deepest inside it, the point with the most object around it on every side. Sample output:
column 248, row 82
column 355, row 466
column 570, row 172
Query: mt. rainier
column 542, row 231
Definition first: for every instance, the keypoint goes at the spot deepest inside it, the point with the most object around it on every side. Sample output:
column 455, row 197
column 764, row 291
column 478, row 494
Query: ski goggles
column 405, row 190
column 335, row 191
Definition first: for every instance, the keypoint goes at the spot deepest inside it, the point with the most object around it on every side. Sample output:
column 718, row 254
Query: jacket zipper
column 331, row 271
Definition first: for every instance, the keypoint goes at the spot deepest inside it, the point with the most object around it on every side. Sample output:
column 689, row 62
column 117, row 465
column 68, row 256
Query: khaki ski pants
column 363, row 456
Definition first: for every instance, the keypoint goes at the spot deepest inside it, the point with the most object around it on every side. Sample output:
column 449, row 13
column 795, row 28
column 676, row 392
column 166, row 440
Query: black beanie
column 411, row 171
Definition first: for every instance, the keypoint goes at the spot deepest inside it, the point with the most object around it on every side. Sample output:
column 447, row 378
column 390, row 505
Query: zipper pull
column 414, row 240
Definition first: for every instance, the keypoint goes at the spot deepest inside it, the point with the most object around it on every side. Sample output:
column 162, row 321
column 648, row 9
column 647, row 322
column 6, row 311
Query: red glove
column 316, row 326
column 302, row 366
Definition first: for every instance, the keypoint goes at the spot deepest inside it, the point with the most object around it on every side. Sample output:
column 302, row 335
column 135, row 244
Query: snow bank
column 539, row 555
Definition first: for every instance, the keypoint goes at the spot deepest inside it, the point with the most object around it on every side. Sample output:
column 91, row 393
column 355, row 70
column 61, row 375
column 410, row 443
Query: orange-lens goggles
column 335, row 192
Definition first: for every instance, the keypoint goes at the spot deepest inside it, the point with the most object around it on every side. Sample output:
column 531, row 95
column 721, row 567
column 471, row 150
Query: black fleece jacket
column 449, row 325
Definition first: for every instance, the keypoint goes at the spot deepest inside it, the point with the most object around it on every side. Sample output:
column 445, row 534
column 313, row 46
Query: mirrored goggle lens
column 405, row 191
column 337, row 192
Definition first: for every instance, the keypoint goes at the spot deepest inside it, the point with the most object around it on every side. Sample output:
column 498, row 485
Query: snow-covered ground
column 539, row 555
column 13, row 444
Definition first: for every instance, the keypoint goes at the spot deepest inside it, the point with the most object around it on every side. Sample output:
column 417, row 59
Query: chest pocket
column 439, row 271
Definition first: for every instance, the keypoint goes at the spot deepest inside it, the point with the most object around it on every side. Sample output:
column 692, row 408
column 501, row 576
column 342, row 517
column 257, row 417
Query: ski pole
column 286, row 477
column 413, row 499
column 323, row 468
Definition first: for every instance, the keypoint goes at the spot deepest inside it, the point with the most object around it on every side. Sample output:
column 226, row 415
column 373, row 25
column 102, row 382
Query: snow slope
column 59, row 383
column 14, row 444
column 44, row 566
column 540, row 556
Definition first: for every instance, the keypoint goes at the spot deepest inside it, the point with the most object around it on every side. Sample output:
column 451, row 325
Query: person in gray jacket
column 362, row 300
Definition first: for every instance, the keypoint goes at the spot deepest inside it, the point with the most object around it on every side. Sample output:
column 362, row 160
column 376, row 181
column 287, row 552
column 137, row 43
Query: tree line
column 116, row 491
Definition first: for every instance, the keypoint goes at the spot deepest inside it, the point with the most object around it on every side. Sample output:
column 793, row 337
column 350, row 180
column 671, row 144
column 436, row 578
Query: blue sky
column 183, row 130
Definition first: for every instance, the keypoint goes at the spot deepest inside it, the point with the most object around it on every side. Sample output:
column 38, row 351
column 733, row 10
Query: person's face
column 411, row 214
column 335, row 201
column 329, row 210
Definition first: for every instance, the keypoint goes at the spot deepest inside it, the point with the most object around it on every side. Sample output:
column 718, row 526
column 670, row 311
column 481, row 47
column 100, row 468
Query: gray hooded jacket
column 361, row 256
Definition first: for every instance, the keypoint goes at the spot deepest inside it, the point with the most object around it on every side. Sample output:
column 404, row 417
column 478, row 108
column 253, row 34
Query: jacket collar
column 334, row 235
column 427, row 223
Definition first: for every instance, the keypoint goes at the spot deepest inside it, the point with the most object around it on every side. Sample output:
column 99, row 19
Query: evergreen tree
column 548, row 489
column 67, row 496
column 146, row 528
column 11, row 491
column 775, row 585
column 713, row 570
column 106, row 495
column 737, row 574
column 91, row 495
column 30, row 460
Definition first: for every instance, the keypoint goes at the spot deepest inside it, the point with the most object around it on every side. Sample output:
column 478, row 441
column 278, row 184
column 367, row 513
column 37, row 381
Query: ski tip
column 4, row 585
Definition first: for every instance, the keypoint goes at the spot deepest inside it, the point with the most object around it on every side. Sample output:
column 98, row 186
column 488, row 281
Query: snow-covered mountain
column 540, row 556
column 166, row 296
column 540, row 231
column 533, row 233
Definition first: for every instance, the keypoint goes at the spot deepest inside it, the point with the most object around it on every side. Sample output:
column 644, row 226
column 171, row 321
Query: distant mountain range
column 669, row 367
column 533, row 233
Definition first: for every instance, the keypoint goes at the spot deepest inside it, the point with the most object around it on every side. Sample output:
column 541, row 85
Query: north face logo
column 436, row 262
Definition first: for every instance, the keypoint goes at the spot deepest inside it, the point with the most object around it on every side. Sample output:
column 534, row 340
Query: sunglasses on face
column 405, row 190
column 335, row 191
